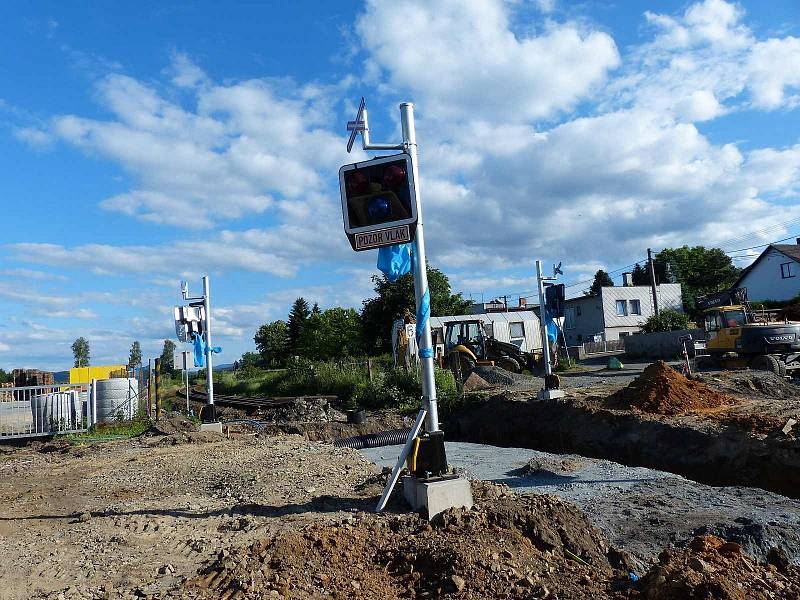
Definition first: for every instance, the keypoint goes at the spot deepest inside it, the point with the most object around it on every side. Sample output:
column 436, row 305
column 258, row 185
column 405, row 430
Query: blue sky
column 149, row 142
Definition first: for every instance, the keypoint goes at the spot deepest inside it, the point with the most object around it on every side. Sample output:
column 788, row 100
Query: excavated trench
column 714, row 455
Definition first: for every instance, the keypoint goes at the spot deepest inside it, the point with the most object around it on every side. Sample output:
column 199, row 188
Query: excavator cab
column 466, row 337
column 723, row 327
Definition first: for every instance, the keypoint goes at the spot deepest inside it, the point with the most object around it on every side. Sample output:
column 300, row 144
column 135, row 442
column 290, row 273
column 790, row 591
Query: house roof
column 790, row 250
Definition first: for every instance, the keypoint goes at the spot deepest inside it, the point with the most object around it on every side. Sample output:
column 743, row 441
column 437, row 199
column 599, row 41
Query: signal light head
column 379, row 209
column 358, row 183
column 394, row 176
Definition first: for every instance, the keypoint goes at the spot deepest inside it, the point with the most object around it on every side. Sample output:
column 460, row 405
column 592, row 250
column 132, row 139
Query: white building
column 775, row 275
column 520, row 328
column 615, row 312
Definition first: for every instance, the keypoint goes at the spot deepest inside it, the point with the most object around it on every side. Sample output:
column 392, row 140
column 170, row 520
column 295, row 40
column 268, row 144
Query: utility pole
column 211, row 415
column 652, row 269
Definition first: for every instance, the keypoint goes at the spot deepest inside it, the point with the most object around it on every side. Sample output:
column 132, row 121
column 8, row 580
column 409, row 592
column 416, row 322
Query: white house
column 615, row 312
column 775, row 275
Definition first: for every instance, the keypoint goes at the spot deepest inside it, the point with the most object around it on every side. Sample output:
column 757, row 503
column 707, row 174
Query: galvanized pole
column 420, row 272
column 186, row 373
column 209, row 375
column 543, row 322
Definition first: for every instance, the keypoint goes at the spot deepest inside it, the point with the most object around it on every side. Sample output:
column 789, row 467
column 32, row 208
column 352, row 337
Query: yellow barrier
column 86, row 374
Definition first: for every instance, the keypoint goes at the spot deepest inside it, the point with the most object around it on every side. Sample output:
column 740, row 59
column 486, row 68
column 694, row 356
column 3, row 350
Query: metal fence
column 600, row 347
column 44, row 410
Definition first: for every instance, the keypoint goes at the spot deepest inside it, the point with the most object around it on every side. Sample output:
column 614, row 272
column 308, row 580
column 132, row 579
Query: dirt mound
column 748, row 382
column 495, row 375
column 660, row 389
column 713, row 568
column 304, row 410
column 553, row 464
column 171, row 424
column 512, row 547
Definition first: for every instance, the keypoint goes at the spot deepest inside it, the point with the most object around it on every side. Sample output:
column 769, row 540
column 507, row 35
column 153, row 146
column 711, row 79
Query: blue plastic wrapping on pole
column 394, row 261
column 199, row 348
column 551, row 326
column 423, row 315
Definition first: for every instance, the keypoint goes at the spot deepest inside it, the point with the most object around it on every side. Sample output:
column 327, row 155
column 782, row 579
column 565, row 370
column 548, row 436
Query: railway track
column 251, row 403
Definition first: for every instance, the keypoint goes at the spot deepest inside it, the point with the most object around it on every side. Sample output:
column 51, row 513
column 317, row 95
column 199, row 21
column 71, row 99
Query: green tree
column 601, row 280
column 5, row 377
column 272, row 342
column 168, row 357
column 666, row 320
column 392, row 299
column 249, row 360
column 331, row 334
column 698, row 269
column 135, row 359
column 640, row 275
column 298, row 315
column 80, row 352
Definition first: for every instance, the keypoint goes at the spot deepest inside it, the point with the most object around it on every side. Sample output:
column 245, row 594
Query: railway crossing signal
column 379, row 202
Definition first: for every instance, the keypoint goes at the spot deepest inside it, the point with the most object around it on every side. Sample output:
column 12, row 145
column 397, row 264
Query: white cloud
column 34, row 137
column 774, row 67
column 466, row 62
column 242, row 145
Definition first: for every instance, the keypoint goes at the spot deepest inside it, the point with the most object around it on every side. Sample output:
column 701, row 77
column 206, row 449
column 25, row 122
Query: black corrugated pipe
column 393, row 437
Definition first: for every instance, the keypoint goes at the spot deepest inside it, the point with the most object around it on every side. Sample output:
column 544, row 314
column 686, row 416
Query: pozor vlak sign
column 379, row 202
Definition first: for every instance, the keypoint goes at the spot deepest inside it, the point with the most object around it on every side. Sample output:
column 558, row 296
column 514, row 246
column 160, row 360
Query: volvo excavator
column 736, row 336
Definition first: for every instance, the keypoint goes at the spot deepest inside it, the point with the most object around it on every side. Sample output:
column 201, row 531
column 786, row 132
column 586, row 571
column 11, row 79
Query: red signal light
column 394, row 176
column 358, row 183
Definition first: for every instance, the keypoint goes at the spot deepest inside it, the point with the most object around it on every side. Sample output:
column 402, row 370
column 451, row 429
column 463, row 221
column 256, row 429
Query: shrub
column 666, row 320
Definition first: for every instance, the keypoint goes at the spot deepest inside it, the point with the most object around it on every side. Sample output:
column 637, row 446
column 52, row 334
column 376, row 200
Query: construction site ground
column 176, row 513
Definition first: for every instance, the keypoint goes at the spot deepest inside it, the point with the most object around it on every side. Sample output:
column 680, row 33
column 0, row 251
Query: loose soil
column 165, row 515
column 509, row 547
column 713, row 568
column 661, row 390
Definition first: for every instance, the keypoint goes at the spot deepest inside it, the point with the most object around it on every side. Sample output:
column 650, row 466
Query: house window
column 622, row 308
column 517, row 333
column 569, row 317
column 578, row 310
column 636, row 307
column 788, row 270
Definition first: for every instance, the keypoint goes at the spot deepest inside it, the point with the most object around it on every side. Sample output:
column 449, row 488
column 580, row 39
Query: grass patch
column 106, row 432
column 349, row 381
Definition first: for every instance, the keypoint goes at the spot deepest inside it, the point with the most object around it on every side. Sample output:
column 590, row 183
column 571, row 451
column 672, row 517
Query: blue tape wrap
column 199, row 348
column 423, row 316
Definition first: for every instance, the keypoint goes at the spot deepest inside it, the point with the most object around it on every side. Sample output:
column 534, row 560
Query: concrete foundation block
column 550, row 394
column 213, row 427
column 434, row 497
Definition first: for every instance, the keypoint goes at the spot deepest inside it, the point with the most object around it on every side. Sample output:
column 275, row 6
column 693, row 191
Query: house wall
column 599, row 313
column 764, row 282
column 586, row 324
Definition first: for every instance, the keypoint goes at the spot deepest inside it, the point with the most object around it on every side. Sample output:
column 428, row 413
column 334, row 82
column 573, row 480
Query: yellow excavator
column 738, row 337
column 467, row 345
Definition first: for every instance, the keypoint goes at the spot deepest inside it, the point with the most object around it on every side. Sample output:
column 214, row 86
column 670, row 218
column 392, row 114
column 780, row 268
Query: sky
column 144, row 143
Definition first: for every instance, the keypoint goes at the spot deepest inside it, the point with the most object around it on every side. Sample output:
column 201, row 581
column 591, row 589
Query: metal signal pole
column 543, row 322
column 209, row 374
column 420, row 273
